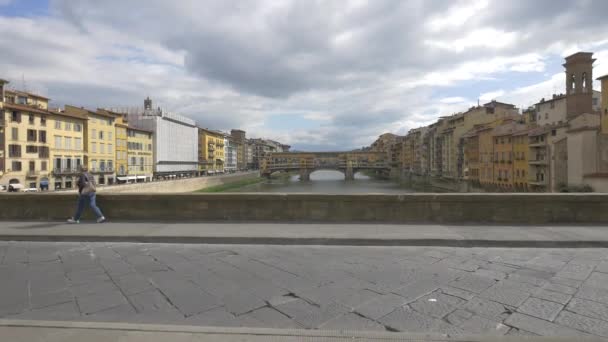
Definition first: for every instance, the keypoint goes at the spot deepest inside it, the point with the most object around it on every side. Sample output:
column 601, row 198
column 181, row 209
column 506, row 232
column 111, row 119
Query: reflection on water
column 325, row 181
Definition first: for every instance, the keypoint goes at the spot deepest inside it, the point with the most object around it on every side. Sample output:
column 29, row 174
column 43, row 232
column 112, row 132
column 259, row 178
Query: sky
column 318, row 75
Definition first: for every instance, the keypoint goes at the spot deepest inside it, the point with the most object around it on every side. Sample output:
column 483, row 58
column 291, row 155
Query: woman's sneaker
column 71, row 220
column 101, row 219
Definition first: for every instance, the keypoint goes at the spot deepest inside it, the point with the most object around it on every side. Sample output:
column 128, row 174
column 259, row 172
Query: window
column 15, row 116
column 14, row 150
column 552, row 105
column 31, row 119
column 149, row 147
column 502, row 154
column 102, row 148
column 109, row 148
column 553, row 132
column 42, row 136
column 110, row 136
column 595, row 101
column 133, row 161
column 94, row 135
column 68, row 143
column 31, row 135
column 58, row 163
column 42, row 121
column 16, row 166
column 43, row 152
column 100, row 135
column 22, row 100
column 110, row 165
column 94, row 147
column 15, row 133
column 546, row 116
column 102, row 165
column 31, row 149
column 57, row 124
column 77, row 127
column 68, row 126
column 517, row 173
column 57, row 141
column 43, row 165
column 32, row 166
column 78, row 143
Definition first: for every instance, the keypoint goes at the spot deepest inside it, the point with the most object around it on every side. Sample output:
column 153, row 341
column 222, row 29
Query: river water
column 325, row 181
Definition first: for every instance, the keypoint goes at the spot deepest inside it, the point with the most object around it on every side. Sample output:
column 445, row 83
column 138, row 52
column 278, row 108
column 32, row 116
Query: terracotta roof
column 19, row 92
column 71, row 115
column 597, row 175
column 25, row 108
column 584, row 128
column 139, row 129
column 602, row 77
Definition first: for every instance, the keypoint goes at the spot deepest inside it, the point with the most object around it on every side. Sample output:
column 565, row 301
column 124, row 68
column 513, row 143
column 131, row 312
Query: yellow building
column 66, row 134
column 521, row 150
column 99, row 136
column 210, row 151
column 122, row 163
column 486, row 155
column 140, row 154
column 604, row 104
column 24, row 140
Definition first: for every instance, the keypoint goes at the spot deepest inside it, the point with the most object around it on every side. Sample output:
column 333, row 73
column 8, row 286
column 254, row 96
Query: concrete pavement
column 448, row 291
column 312, row 234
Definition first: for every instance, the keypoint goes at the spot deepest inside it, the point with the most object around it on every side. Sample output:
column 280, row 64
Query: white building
column 230, row 154
column 175, row 140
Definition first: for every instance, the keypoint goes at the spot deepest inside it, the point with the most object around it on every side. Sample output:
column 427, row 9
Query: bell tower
column 604, row 107
column 579, row 84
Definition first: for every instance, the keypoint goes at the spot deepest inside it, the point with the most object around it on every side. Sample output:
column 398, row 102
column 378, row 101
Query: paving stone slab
column 472, row 283
column 380, row 306
column 560, row 288
column 310, row 316
column 505, row 294
column 52, row 298
column 436, row 304
column 481, row 325
column 541, row 327
column 351, row 321
column 540, row 308
column 99, row 302
column 273, row 318
column 589, row 308
column 590, row 325
column 406, row 319
column 488, row 309
column 593, row 293
column 132, row 283
column 217, row 317
column 151, row 301
column 556, row 297
column 241, row 302
column 458, row 317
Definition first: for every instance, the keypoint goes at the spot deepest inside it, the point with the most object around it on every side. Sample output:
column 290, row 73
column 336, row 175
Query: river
column 325, row 181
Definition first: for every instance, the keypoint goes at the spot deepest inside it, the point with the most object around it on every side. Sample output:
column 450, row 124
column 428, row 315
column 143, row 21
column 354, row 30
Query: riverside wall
column 448, row 208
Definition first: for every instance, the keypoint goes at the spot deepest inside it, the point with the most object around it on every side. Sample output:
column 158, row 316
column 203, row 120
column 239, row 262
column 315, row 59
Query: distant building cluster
column 559, row 144
column 43, row 148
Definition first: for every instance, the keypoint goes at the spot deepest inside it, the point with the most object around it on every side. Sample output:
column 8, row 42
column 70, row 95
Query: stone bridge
column 306, row 163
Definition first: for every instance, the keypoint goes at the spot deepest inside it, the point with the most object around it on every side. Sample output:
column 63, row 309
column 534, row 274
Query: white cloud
column 492, row 95
column 356, row 68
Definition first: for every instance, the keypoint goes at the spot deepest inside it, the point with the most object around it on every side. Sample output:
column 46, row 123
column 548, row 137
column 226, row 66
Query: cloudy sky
column 319, row 75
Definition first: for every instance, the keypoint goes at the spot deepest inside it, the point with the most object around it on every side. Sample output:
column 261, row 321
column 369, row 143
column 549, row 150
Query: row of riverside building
column 558, row 144
column 44, row 148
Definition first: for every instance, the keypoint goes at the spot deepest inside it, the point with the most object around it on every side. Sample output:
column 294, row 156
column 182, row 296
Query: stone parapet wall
column 247, row 207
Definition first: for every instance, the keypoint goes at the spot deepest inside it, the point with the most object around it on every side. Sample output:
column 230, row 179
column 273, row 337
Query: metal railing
column 65, row 171
column 102, row 170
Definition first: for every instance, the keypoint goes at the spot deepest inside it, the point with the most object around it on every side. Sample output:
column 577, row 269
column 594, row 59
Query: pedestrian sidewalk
column 50, row 331
column 563, row 236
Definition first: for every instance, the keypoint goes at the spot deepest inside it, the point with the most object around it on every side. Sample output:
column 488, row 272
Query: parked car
column 3, row 188
column 31, row 190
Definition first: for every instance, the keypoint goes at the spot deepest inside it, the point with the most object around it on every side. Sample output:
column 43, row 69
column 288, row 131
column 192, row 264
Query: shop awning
column 141, row 177
column 16, row 186
column 122, row 179
column 44, row 182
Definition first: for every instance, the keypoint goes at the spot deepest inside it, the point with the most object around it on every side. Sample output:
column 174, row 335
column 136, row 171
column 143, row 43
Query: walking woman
column 86, row 194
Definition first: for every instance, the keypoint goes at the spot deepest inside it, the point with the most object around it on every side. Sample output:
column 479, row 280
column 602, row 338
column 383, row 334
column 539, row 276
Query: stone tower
column 148, row 103
column 579, row 84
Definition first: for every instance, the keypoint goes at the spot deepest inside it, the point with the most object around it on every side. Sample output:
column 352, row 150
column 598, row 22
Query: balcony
column 102, row 170
column 32, row 173
column 538, row 182
column 538, row 144
column 538, row 162
column 64, row 172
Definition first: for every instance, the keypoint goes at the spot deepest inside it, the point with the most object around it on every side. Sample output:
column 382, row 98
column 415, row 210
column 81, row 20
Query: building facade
column 140, row 155
column 175, row 140
column 230, row 154
column 24, row 134
column 122, row 159
column 68, row 147
column 240, row 140
column 210, row 151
